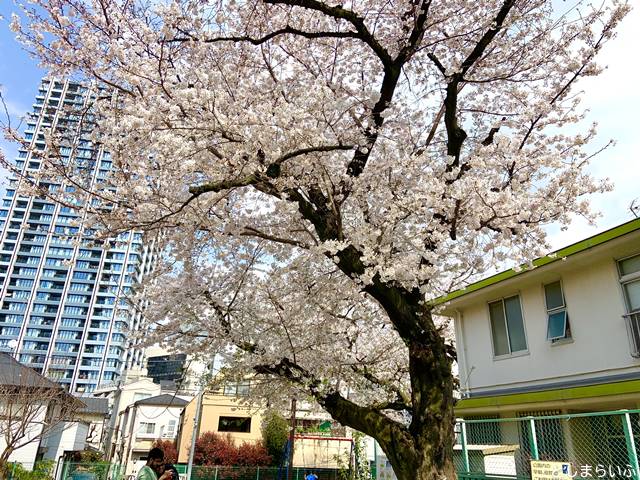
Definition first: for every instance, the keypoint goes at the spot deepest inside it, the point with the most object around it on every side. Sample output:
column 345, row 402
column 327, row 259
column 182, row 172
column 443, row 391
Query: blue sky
column 613, row 99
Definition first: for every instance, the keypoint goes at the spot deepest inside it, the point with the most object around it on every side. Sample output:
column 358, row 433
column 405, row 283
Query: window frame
column 145, row 431
column 568, row 336
column 624, row 280
column 511, row 353
column 239, row 420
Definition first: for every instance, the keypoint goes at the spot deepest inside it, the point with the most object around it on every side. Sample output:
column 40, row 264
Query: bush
column 42, row 470
column 169, row 449
column 253, row 454
column 213, row 449
column 275, row 433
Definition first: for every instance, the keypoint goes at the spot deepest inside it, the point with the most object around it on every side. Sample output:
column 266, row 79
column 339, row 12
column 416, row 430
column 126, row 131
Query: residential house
column 141, row 424
column 133, row 387
column 222, row 412
column 83, row 433
column 562, row 337
column 319, row 442
column 32, row 408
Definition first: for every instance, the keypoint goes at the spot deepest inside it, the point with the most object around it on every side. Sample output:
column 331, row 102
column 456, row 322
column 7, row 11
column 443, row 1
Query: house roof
column 95, row 405
column 164, row 399
column 13, row 373
column 573, row 249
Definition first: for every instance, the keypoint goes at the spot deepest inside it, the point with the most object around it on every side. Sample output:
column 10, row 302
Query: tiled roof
column 164, row 399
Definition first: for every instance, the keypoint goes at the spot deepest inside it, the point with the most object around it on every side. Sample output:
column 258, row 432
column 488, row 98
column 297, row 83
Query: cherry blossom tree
column 318, row 171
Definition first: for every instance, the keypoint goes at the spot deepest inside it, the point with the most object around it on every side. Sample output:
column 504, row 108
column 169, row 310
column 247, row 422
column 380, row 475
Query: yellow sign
column 541, row 470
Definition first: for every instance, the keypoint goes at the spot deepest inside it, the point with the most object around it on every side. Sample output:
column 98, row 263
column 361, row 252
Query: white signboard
column 541, row 470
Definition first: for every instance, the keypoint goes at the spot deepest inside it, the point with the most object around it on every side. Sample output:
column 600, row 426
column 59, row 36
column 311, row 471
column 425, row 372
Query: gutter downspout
column 462, row 354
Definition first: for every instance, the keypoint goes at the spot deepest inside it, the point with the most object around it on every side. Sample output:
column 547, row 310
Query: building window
column 171, row 429
column 147, row 428
column 557, row 318
column 629, row 269
column 507, row 326
column 237, row 388
column 234, row 424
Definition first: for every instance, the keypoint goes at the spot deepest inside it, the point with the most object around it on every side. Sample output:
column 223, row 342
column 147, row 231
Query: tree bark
column 423, row 450
column 431, row 429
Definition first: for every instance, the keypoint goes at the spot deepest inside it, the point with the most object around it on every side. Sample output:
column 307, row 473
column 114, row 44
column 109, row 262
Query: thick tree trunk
column 431, row 430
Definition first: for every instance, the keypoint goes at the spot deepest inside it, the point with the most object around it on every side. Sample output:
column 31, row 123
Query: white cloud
column 613, row 99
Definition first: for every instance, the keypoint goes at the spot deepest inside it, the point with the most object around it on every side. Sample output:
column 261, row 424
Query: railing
column 106, row 471
column 584, row 445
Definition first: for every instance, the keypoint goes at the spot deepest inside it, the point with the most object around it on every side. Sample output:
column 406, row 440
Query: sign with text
column 542, row 470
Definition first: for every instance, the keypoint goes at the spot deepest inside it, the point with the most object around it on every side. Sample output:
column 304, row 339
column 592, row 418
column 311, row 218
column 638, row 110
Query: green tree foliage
column 42, row 470
column 275, row 432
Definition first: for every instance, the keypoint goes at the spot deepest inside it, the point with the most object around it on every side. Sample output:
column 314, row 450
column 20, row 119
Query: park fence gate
column 581, row 445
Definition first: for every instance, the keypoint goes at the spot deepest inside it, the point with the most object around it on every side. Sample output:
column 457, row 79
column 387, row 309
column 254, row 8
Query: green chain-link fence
column 106, row 471
column 90, row 471
column 257, row 473
column 590, row 445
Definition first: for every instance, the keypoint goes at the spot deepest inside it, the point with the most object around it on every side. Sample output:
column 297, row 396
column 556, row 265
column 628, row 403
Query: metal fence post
column 463, row 440
column 631, row 445
column 533, row 440
column 258, row 473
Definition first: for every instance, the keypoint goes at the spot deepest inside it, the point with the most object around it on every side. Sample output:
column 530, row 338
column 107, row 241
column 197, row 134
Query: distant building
column 38, row 418
column 180, row 372
column 141, row 424
column 167, row 368
column 63, row 307
column 319, row 442
column 85, row 433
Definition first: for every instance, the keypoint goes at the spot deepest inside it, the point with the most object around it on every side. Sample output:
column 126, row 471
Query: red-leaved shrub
column 213, row 449
column 169, row 449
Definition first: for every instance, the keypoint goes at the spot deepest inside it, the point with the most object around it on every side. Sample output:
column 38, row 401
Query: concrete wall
column 321, row 453
column 64, row 437
column 595, row 305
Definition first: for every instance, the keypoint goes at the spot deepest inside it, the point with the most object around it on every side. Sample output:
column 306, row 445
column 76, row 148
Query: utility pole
column 194, row 434
column 198, row 415
column 292, row 437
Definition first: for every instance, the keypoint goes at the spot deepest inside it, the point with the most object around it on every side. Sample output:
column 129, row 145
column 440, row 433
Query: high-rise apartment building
column 63, row 307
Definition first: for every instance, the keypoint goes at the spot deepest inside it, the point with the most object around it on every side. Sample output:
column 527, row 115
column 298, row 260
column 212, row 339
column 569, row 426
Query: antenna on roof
column 635, row 207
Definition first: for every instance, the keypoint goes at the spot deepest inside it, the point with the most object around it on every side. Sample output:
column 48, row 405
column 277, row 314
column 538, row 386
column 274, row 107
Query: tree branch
column 259, row 41
column 340, row 13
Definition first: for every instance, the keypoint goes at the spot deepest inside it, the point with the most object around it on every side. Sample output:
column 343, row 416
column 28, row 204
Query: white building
column 38, row 418
column 561, row 337
column 141, row 424
column 549, row 360
column 133, row 387
column 84, row 433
